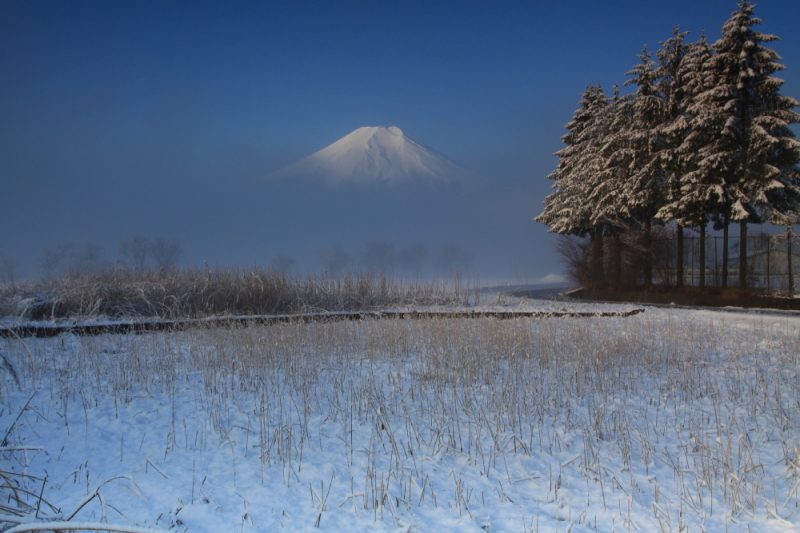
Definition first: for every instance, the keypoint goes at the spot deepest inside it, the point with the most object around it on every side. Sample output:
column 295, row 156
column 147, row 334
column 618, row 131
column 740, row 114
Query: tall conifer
column 748, row 144
column 631, row 179
column 672, row 73
column 692, row 195
column 567, row 210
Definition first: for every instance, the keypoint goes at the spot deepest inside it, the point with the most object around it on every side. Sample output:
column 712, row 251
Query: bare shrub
column 283, row 264
column 411, row 260
column 135, row 251
column 53, row 258
column 334, row 260
column 8, row 268
column 87, row 258
column 451, row 258
column 166, row 252
column 377, row 256
column 572, row 254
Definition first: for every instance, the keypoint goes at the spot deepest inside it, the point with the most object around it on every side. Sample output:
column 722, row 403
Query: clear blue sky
column 119, row 118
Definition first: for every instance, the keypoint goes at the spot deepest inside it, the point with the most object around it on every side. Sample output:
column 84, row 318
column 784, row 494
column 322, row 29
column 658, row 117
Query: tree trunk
column 679, row 272
column 743, row 255
column 598, row 266
column 648, row 255
column 617, row 256
column 725, row 254
column 789, row 259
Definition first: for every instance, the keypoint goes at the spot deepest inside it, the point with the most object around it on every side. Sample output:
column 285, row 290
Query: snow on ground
column 666, row 421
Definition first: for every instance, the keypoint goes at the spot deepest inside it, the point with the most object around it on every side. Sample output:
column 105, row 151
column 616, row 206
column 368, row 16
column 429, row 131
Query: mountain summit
column 376, row 155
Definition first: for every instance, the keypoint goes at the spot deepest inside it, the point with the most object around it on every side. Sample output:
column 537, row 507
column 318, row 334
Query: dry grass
column 675, row 416
column 194, row 293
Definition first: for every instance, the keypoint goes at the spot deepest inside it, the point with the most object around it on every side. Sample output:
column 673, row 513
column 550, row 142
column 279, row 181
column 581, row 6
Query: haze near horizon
column 162, row 120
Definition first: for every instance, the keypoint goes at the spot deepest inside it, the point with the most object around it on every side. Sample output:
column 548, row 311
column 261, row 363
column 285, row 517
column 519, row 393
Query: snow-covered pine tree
column 695, row 197
column 609, row 208
column 748, row 143
column 671, row 74
column 633, row 176
column 567, row 210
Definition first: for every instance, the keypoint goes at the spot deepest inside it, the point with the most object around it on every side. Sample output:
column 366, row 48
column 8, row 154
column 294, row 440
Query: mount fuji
column 376, row 155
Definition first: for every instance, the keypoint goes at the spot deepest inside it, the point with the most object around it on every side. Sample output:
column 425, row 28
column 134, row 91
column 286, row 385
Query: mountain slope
column 376, row 155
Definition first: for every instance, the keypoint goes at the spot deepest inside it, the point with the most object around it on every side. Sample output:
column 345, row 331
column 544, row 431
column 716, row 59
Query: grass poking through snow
column 658, row 422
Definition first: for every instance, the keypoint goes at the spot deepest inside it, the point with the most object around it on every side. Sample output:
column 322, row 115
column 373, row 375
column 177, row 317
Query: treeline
column 704, row 140
column 140, row 254
column 137, row 253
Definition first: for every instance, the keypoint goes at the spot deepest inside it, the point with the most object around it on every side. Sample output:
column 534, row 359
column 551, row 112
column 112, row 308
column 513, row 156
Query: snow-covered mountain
column 376, row 155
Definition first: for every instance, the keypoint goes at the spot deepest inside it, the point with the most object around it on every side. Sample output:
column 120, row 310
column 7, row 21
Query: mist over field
column 250, row 224
column 164, row 121
column 245, row 219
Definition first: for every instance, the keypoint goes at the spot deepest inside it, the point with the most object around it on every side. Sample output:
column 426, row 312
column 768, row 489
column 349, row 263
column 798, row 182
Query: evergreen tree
column 672, row 73
column 705, row 137
column 606, row 183
column 631, row 182
column 610, row 208
column 566, row 210
column 747, row 143
column 692, row 194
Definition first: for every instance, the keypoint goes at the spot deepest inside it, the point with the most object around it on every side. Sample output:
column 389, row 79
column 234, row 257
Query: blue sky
column 119, row 118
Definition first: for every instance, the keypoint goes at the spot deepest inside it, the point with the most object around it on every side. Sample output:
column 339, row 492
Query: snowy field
column 670, row 420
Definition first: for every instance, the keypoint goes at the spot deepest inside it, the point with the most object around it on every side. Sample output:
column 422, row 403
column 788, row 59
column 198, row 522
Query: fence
column 773, row 261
